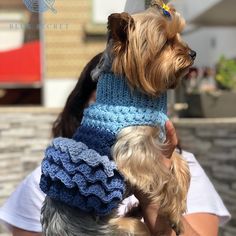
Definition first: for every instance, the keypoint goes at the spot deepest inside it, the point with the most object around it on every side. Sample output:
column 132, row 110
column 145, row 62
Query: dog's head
column 147, row 48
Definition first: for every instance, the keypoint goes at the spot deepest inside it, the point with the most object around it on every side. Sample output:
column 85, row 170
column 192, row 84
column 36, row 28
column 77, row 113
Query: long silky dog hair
column 147, row 48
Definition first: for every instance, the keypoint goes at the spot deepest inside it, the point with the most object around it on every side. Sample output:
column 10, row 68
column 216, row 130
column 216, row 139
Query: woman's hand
column 21, row 232
column 170, row 144
column 198, row 224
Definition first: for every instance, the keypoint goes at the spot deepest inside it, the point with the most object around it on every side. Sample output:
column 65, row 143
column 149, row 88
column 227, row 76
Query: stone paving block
column 230, row 231
column 221, row 156
column 4, row 126
column 227, row 143
column 234, row 185
column 209, row 133
column 11, row 177
column 225, row 172
column 9, row 155
column 19, row 132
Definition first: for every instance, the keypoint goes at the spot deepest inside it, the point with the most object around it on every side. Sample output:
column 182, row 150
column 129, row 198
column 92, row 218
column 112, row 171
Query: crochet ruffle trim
column 80, row 177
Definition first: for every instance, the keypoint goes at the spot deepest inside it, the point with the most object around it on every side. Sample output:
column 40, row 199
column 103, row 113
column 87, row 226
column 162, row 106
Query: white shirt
column 23, row 208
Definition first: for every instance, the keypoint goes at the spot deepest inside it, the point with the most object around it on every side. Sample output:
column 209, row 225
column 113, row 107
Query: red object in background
column 22, row 65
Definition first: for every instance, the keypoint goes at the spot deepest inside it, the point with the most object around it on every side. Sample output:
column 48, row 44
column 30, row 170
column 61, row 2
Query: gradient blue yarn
column 80, row 177
column 117, row 107
column 96, row 139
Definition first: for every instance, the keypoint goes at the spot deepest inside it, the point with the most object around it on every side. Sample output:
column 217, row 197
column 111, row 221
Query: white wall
column 56, row 91
column 224, row 42
column 200, row 41
column 193, row 8
column 103, row 8
column 11, row 31
column 210, row 43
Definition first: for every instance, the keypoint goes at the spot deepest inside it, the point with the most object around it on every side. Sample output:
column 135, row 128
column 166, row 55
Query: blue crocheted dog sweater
column 80, row 171
column 117, row 107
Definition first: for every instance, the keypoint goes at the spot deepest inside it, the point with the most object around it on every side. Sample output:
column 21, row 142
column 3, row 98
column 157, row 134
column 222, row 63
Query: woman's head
column 83, row 93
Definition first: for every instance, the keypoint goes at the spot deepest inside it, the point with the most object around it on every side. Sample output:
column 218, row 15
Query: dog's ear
column 119, row 25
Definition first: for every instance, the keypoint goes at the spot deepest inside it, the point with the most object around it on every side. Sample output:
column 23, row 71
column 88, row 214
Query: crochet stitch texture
column 80, row 177
column 117, row 107
column 80, row 172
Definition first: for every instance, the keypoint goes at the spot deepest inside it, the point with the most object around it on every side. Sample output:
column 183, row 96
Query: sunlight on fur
column 137, row 154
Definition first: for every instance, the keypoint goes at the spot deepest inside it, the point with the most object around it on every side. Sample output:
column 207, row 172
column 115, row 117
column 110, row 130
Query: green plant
column 226, row 73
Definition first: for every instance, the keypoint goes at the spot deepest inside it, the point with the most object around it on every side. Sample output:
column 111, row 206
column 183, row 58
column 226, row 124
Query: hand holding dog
column 171, row 143
column 156, row 223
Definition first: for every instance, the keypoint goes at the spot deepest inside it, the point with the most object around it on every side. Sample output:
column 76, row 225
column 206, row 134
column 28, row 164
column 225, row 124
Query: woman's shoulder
column 30, row 185
column 22, row 208
column 34, row 177
column 188, row 156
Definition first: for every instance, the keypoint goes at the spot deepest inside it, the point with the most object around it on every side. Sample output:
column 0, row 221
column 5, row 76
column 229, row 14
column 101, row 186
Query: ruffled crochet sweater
column 80, row 171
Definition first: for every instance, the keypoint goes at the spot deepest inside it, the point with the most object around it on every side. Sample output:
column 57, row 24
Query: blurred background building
column 42, row 55
column 211, row 29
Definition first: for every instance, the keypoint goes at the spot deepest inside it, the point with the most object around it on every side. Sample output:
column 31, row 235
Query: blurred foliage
column 226, row 73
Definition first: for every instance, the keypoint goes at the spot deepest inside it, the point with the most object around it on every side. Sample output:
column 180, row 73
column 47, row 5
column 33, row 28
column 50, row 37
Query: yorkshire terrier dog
column 148, row 50
column 118, row 146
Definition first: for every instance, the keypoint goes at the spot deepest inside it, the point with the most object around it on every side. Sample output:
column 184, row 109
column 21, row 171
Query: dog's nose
column 192, row 54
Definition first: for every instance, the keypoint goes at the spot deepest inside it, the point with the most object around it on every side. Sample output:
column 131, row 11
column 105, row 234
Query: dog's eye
column 170, row 41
